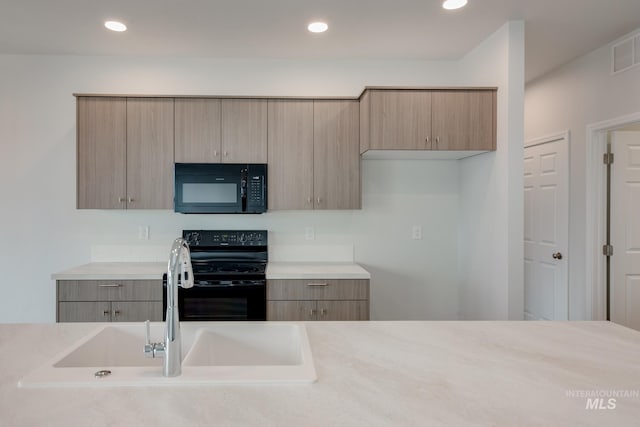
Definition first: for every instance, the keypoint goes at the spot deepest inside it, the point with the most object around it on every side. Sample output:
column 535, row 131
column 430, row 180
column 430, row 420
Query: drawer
column 318, row 289
column 109, row 290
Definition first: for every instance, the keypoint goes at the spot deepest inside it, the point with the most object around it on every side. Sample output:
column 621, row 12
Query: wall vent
column 625, row 54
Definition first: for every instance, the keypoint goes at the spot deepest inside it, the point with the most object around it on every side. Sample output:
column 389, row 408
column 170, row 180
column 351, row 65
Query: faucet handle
column 155, row 349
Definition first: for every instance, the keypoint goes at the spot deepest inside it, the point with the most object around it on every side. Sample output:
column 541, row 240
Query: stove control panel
column 205, row 238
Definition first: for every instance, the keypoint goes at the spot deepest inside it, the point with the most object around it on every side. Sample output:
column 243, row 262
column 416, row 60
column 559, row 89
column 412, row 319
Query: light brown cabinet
column 415, row 119
column 109, row 300
column 313, row 155
column 125, row 153
column 290, row 154
column 335, row 299
column 336, row 159
column 210, row 130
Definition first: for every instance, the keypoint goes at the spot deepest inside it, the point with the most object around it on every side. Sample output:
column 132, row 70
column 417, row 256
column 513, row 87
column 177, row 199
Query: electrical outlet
column 143, row 232
column 309, row 233
column 416, row 232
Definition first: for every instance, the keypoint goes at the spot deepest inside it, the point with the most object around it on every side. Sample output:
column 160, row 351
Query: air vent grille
column 626, row 54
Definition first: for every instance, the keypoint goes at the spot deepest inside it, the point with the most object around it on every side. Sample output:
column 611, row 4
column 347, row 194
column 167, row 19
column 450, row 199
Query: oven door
column 207, row 303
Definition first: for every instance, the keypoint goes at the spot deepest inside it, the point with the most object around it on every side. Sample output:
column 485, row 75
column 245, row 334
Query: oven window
column 215, row 309
column 206, row 192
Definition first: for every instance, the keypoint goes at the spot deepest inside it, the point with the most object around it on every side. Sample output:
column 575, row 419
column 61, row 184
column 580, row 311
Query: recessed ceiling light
column 454, row 4
column 115, row 26
column 318, row 27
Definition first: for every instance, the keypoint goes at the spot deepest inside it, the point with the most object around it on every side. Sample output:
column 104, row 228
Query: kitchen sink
column 214, row 353
column 241, row 344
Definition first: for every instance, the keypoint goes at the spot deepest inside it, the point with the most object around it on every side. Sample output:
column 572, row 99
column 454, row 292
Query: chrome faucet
column 179, row 266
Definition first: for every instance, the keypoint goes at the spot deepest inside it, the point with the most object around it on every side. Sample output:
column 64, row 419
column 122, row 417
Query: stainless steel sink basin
column 216, row 352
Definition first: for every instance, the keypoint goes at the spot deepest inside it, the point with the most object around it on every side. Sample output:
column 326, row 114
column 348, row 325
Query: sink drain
column 102, row 374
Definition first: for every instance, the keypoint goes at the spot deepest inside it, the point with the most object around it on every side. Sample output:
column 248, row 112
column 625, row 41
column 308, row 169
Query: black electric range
column 229, row 275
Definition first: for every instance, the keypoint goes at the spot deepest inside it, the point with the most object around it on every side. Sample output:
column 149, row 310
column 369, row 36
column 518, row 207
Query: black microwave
column 220, row 188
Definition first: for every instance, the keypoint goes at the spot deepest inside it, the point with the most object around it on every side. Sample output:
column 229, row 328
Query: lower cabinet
column 296, row 300
column 109, row 300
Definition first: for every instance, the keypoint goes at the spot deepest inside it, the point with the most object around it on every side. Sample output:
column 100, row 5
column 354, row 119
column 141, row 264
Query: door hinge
column 608, row 158
column 607, row 250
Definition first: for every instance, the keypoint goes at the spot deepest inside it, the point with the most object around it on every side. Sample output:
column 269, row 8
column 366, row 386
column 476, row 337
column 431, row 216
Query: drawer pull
column 318, row 284
column 111, row 285
column 105, row 313
column 312, row 312
column 323, row 312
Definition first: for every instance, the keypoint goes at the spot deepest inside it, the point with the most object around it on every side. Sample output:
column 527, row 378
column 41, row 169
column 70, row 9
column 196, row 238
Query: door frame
column 596, row 212
column 561, row 136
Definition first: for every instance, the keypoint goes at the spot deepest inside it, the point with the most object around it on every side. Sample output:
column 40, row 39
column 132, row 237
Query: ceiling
column 556, row 30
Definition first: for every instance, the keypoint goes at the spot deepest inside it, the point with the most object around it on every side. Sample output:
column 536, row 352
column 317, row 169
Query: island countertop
column 369, row 374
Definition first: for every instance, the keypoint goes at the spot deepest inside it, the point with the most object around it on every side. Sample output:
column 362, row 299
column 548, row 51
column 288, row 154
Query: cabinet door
column 244, row 130
column 197, row 130
column 84, row 311
column 336, row 157
column 343, row 310
column 400, row 120
column 290, row 154
column 136, row 311
column 291, row 310
column 463, row 120
column 150, row 153
column 101, row 151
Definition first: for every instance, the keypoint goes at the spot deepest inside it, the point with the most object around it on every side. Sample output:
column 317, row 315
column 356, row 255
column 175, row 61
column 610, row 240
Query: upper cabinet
column 125, row 153
column 290, row 155
column 336, row 158
column 415, row 119
column 198, row 136
column 463, row 120
column 210, row 130
column 101, row 153
column 314, row 161
column 244, row 130
column 149, row 153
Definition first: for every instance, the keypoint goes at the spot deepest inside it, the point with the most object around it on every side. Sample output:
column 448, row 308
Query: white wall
column 492, row 210
column 580, row 93
column 43, row 233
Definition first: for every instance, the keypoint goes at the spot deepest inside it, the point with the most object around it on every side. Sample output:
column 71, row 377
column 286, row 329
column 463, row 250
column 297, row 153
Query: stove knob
column 193, row 239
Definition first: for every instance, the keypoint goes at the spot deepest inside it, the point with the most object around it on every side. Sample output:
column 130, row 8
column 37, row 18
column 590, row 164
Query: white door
column 546, row 235
column 625, row 229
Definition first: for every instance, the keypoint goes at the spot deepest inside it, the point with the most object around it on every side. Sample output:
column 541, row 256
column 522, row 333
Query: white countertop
column 113, row 271
column 369, row 374
column 306, row 270
column 154, row 270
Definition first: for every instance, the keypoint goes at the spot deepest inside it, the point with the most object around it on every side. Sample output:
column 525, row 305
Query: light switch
column 309, row 233
column 416, row 232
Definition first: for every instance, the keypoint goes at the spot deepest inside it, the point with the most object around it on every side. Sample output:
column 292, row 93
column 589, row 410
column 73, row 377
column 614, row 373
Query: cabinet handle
column 437, row 141
column 319, row 200
column 215, row 153
column 308, row 199
column 427, row 140
column 130, row 200
column 312, row 312
column 121, row 199
column 226, row 154
column 318, row 284
column 116, row 313
column 111, row 285
column 323, row 312
column 105, row 313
